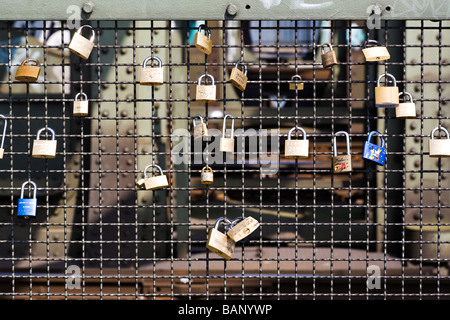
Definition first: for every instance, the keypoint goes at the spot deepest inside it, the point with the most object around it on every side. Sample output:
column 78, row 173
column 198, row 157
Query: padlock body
column 386, row 97
column 206, row 93
column 329, row 59
column 80, row 108
column 81, row 46
column 152, row 76
column 207, row 177
column 406, row 110
column 200, row 131
column 342, row 163
column 296, row 148
column 376, row 53
column 296, row 86
column 26, row 208
column 203, row 43
column 27, row 73
column 2, row 152
column 156, row 182
column 374, row 153
column 44, row 149
column 238, row 79
column 226, row 144
column 220, row 244
column 243, row 229
column 439, row 147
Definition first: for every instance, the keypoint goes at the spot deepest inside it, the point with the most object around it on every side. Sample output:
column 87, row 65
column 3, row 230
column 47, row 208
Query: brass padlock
column 439, row 147
column 294, row 84
column 375, row 53
column 244, row 228
column 406, row 110
column 328, row 58
column 207, row 177
column 205, row 93
column 386, row 97
column 28, row 73
column 44, row 148
column 2, row 150
column 227, row 144
column 296, row 148
column 200, row 131
column 202, row 41
column 342, row 163
column 239, row 78
column 155, row 182
column 81, row 107
column 80, row 45
column 152, row 76
column 219, row 242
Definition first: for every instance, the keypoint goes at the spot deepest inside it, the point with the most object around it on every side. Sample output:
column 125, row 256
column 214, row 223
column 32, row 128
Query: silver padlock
column 406, row 110
column 200, row 130
column 2, row 150
column 227, row 144
column 204, row 92
column 439, row 147
column 152, row 76
column 342, row 163
column 296, row 148
column 81, row 107
column 80, row 45
column 44, row 148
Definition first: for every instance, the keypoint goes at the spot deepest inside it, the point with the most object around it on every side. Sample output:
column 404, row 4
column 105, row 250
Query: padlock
column 386, row 97
column 227, row 144
column 26, row 208
column 406, row 110
column 239, row 78
column 202, row 41
column 155, row 182
column 2, row 150
column 207, row 177
column 375, row 53
column 152, row 76
column 28, row 72
column 241, row 228
column 200, row 131
column 373, row 152
column 296, row 148
column 206, row 93
column 294, row 84
column 44, row 148
column 219, row 242
column 80, row 45
column 328, row 58
column 81, row 107
column 342, row 163
column 439, row 147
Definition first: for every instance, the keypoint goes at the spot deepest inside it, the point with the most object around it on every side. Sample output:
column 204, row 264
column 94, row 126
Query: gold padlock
column 207, row 177
column 227, row 144
column 2, row 150
column 294, row 84
column 328, row 58
column 219, row 242
column 81, row 107
column 155, row 182
column 80, row 45
column 202, row 41
column 342, row 163
column 244, row 228
column 44, row 148
column 439, row 147
column 200, row 131
column 28, row 73
column 239, row 78
column 205, row 93
column 152, row 76
column 296, row 148
column 375, row 53
column 386, row 97
column 406, row 110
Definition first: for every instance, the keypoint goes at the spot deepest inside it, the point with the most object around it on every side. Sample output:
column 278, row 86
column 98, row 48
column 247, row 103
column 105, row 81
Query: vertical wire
column 260, row 108
column 278, row 175
column 438, row 260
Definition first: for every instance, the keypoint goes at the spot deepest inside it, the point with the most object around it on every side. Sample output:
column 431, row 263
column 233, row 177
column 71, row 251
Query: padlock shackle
column 387, row 75
column 377, row 134
column 296, row 76
column 245, row 67
column 152, row 165
column 439, row 128
column 224, row 127
column 367, row 42
column 207, row 75
column 204, row 27
column 144, row 64
column 4, row 130
column 31, row 60
column 81, row 94
column 226, row 221
column 297, row 128
column 197, row 116
column 327, row 44
column 38, row 135
column 347, row 138
column 23, row 188
column 235, row 221
column 207, row 167
column 92, row 31
column 406, row 94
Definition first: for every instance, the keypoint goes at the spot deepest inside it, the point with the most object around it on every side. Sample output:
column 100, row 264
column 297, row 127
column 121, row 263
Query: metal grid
column 320, row 233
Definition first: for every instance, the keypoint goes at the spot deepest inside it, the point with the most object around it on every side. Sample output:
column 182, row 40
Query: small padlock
column 406, row 110
column 2, row 150
column 239, row 78
column 439, row 147
column 152, row 76
column 80, row 45
column 26, row 208
column 155, row 182
column 375, row 53
column 44, row 148
column 219, row 242
column 81, row 107
column 202, row 41
column 342, row 163
column 328, row 58
column 294, row 84
column 386, row 97
column 373, row 152
column 296, row 148
column 28, row 73
column 207, row 177
column 200, row 131
column 244, row 228
column 227, row 144
column 206, row 93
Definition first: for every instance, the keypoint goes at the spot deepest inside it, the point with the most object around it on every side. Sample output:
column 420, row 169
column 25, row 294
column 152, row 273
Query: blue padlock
column 373, row 152
column 27, row 207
